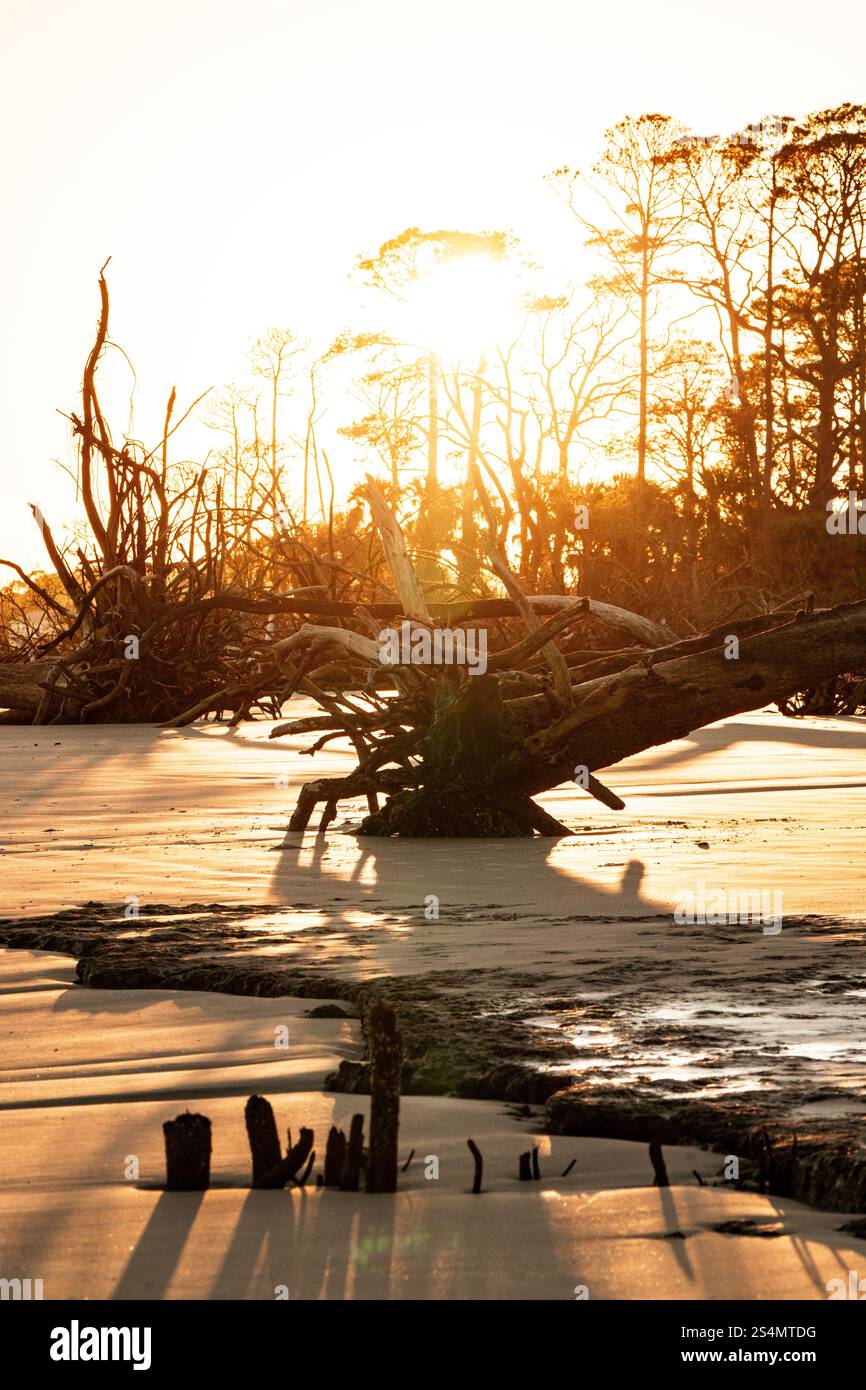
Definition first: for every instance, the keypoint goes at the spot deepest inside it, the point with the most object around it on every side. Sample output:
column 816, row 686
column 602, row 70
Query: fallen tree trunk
column 23, row 687
column 457, row 754
column 650, row 703
column 484, row 758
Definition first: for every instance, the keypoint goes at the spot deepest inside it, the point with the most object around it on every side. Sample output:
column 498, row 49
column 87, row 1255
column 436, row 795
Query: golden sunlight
column 432, row 554
column 463, row 308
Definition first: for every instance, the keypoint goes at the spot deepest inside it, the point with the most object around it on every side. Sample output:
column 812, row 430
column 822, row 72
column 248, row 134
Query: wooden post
column 263, row 1137
column 335, row 1157
column 386, row 1070
column 351, row 1174
column 479, row 1166
column 187, row 1153
column 525, row 1170
column 658, row 1163
column 536, row 1171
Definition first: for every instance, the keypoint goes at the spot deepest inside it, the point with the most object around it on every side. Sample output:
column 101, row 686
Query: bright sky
column 234, row 156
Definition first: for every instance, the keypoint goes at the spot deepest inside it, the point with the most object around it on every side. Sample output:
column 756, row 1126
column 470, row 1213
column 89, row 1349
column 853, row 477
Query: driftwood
column 187, row 1153
column 459, row 752
column 479, row 1166
column 660, row 1172
column 335, row 1157
column 386, row 1066
column 288, row 1167
column 263, row 1136
column 351, row 1175
column 168, row 612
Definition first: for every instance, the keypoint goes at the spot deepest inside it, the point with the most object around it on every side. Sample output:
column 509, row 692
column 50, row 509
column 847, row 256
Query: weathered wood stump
column 187, row 1153
column 658, row 1162
column 479, row 1166
column 351, row 1174
column 263, row 1136
column 335, row 1157
column 287, row 1168
column 386, row 1069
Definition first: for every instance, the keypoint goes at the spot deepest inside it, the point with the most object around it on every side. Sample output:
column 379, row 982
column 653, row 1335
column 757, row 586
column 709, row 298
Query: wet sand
column 89, row 1076
column 522, row 967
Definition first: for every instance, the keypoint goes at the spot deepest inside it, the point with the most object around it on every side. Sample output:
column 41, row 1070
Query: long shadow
column 671, row 1220
column 718, row 737
column 369, row 873
column 160, row 1246
column 49, row 775
column 281, row 1239
column 801, row 1244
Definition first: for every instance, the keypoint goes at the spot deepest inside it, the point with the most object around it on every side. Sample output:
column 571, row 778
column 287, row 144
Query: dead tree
column 461, row 754
column 164, row 601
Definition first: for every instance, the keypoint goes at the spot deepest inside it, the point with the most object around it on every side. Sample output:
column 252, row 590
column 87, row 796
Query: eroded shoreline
column 602, row 1047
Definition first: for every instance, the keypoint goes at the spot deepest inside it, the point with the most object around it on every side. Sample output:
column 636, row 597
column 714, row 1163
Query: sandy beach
column 564, row 955
column 90, row 1076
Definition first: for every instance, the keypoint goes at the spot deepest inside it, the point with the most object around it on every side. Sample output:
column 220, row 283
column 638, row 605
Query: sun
column 463, row 308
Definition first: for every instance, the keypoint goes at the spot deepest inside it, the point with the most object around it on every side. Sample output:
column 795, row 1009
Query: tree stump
column 658, row 1162
column 335, row 1157
column 187, row 1153
column 263, row 1136
column 351, row 1174
column 386, row 1069
column 479, row 1166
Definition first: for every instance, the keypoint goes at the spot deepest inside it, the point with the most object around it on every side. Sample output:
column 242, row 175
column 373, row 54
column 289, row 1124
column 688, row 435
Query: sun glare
column 464, row 307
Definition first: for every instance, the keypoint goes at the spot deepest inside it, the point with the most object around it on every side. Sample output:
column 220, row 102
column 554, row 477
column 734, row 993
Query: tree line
column 666, row 425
